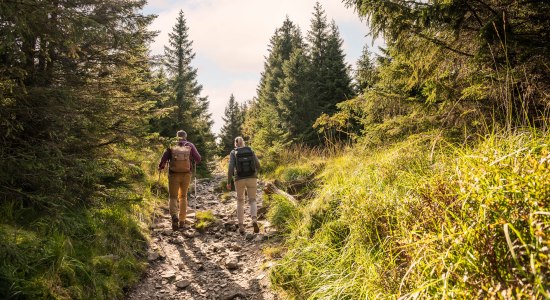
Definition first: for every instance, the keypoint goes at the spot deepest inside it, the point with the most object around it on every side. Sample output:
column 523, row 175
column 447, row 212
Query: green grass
column 422, row 220
column 91, row 251
column 282, row 213
column 204, row 219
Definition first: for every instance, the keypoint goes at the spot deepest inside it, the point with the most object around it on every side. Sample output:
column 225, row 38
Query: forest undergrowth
column 420, row 218
column 91, row 249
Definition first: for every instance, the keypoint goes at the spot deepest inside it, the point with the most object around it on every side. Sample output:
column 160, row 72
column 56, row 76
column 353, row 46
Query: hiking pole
column 195, row 190
column 155, row 201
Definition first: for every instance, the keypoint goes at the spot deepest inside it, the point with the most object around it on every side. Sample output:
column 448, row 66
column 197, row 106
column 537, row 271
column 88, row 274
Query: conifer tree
column 233, row 124
column 339, row 79
column 74, row 82
column 294, row 103
column 317, row 38
column 486, row 52
column 365, row 73
column 182, row 77
column 329, row 72
column 190, row 109
column 264, row 123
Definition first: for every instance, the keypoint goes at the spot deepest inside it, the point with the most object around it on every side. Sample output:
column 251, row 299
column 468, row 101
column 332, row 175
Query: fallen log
column 297, row 186
column 270, row 189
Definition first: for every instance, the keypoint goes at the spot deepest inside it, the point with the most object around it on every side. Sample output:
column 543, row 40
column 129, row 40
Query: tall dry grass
column 418, row 220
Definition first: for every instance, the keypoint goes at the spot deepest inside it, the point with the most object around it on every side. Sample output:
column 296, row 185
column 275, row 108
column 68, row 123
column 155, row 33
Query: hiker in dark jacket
column 244, row 166
column 180, row 159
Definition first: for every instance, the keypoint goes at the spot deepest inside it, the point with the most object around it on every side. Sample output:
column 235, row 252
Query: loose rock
column 215, row 264
column 182, row 284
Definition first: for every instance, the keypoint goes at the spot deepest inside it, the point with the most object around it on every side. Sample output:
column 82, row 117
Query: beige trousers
column 248, row 184
column 178, row 184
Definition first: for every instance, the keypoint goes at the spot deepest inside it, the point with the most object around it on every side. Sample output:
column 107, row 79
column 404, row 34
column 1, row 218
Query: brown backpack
column 180, row 161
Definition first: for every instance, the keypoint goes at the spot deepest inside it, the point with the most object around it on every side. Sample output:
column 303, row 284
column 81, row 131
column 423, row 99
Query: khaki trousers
column 178, row 185
column 248, row 184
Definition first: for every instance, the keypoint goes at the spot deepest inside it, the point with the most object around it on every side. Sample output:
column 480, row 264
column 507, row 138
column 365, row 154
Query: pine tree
column 233, row 125
column 365, row 73
column 264, row 123
column 190, row 110
column 329, row 72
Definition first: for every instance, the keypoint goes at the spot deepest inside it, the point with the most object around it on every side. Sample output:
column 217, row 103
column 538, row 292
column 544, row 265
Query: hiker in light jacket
column 179, row 176
column 244, row 165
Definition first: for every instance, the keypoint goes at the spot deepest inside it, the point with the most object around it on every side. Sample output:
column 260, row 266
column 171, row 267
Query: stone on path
column 168, row 275
column 182, row 284
column 235, row 247
column 153, row 256
column 229, row 295
column 232, row 263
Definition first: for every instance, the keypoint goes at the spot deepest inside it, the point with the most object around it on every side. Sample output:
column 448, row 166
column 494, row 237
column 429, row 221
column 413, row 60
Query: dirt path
column 216, row 264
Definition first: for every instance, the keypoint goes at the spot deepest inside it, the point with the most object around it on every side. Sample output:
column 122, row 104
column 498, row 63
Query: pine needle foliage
column 74, row 104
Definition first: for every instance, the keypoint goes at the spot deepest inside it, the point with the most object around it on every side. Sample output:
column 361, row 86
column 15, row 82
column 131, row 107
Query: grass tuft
column 204, row 219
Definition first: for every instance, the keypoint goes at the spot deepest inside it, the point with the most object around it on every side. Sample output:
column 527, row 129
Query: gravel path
column 216, row 264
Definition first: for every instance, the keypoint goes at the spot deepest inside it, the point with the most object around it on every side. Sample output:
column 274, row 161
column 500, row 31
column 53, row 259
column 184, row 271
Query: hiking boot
column 256, row 228
column 241, row 229
column 184, row 224
column 175, row 225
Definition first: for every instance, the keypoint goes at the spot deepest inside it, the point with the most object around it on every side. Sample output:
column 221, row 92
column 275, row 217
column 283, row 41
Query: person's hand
column 228, row 186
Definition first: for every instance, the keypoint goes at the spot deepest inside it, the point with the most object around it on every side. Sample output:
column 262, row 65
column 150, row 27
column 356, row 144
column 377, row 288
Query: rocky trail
column 218, row 263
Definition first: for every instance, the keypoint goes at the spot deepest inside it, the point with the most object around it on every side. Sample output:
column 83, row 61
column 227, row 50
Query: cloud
column 231, row 38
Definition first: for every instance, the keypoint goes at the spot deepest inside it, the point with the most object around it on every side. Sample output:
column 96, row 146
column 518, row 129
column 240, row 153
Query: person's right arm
column 165, row 157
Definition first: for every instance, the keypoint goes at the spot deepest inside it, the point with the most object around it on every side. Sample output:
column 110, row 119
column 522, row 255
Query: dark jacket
column 232, row 167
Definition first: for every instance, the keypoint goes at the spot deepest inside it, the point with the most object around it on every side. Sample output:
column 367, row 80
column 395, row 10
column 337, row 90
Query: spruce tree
column 294, row 103
column 264, row 124
column 365, row 72
column 75, row 82
column 485, row 55
column 331, row 82
column 233, row 124
column 182, row 77
column 339, row 78
column 189, row 108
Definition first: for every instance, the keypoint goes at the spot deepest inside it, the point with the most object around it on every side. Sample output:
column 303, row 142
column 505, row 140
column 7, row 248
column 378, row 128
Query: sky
column 231, row 39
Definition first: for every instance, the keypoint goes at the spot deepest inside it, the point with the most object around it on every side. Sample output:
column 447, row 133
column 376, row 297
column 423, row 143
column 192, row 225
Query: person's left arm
column 195, row 154
column 230, row 169
column 257, row 162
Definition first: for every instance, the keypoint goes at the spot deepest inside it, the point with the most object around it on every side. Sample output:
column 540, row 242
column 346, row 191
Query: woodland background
column 424, row 169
